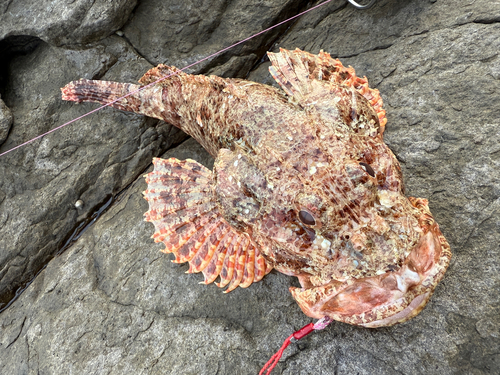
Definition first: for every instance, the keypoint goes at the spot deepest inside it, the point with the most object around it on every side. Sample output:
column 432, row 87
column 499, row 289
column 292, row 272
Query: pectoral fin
column 187, row 220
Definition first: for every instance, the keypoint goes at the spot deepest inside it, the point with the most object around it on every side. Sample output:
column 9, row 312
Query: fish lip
column 434, row 248
column 392, row 297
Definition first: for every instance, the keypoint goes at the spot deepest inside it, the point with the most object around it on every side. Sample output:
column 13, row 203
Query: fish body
column 302, row 183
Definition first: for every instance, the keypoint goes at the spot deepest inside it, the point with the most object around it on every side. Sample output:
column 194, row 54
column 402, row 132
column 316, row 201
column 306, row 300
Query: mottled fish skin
column 302, row 182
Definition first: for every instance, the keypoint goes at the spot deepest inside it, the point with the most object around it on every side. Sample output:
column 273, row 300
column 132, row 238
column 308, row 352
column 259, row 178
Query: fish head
column 363, row 252
column 338, row 211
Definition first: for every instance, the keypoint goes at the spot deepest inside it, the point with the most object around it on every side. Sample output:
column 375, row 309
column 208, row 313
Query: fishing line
column 163, row 78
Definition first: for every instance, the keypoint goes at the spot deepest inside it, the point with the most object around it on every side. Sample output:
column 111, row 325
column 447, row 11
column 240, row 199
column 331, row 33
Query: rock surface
column 70, row 22
column 89, row 161
column 191, row 30
column 5, row 121
column 113, row 303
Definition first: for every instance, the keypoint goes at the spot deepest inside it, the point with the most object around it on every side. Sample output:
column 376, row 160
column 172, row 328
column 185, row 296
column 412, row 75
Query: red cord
column 271, row 364
column 304, row 331
column 276, row 357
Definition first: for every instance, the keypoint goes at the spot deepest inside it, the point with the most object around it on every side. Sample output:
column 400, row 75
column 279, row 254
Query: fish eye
column 368, row 169
column 306, row 218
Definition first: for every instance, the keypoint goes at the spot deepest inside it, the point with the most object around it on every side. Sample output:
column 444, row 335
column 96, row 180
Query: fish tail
column 123, row 96
column 102, row 92
column 189, row 102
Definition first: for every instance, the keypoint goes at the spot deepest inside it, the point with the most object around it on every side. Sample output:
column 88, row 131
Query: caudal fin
column 123, row 96
column 103, row 92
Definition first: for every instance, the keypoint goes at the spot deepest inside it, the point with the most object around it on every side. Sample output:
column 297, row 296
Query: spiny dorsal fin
column 295, row 70
column 187, row 220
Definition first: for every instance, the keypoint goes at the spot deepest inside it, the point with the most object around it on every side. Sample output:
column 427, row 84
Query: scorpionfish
column 302, row 182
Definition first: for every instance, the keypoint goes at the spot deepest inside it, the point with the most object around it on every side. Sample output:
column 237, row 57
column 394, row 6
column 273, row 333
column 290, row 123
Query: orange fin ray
column 214, row 267
column 176, row 225
column 207, row 249
column 239, row 265
column 165, row 195
column 249, row 268
column 228, row 266
column 262, row 267
column 159, row 211
column 190, row 248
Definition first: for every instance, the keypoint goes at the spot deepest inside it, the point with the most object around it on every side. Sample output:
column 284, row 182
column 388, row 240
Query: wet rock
column 350, row 32
column 63, row 22
column 191, row 30
column 5, row 121
column 113, row 303
column 90, row 160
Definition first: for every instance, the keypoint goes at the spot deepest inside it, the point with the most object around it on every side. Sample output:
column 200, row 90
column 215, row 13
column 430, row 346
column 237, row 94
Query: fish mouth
column 390, row 298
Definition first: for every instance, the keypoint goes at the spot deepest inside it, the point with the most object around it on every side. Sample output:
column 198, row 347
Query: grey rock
column 63, row 22
column 90, row 160
column 5, row 121
column 113, row 303
column 121, row 306
column 350, row 32
column 182, row 32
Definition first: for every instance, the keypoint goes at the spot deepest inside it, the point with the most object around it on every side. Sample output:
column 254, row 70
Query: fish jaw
column 386, row 299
